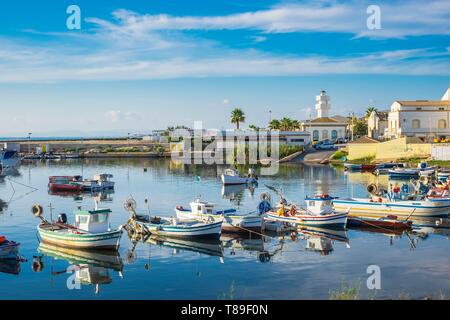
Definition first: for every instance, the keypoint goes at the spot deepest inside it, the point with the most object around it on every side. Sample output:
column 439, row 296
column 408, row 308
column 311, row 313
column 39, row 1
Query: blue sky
column 141, row 65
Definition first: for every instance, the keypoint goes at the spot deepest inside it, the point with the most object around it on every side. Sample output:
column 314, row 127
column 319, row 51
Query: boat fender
column 380, row 199
column 37, row 265
column 37, row 210
column 372, row 188
column 2, row 239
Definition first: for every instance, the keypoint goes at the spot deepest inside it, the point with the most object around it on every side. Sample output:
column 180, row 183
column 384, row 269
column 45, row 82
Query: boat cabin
column 231, row 172
column 202, row 207
column 319, row 204
column 102, row 177
column 93, row 221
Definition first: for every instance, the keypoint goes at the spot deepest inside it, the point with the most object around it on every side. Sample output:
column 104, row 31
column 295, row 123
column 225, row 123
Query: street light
column 29, row 142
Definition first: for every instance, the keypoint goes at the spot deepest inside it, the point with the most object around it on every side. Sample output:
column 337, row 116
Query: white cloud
column 226, row 101
column 118, row 116
column 399, row 19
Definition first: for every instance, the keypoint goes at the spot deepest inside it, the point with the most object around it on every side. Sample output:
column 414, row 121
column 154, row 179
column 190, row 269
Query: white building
column 325, row 127
column 420, row 118
column 377, row 124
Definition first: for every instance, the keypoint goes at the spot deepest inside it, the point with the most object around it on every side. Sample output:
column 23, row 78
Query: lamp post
column 29, row 142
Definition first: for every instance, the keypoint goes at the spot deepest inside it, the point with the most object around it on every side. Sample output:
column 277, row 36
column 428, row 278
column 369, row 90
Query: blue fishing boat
column 8, row 249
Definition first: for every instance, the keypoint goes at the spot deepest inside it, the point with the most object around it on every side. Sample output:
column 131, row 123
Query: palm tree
column 274, row 124
column 370, row 110
column 285, row 124
column 296, row 125
column 237, row 116
column 253, row 127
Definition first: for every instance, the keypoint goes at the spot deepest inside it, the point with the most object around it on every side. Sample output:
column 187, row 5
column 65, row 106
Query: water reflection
column 235, row 193
column 10, row 266
column 100, row 196
column 89, row 267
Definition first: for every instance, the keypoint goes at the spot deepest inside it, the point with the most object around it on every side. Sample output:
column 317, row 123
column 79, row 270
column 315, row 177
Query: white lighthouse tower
column 323, row 105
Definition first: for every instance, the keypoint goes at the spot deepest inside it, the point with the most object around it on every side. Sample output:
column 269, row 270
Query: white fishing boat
column 232, row 176
column 233, row 221
column 380, row 206
column 91, row 230
column 8, row 249
column 173, row 227
column 319, row 212
column 104, row 181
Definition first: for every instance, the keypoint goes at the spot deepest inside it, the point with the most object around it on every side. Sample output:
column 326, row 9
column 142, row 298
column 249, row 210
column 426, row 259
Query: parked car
column 325, row 146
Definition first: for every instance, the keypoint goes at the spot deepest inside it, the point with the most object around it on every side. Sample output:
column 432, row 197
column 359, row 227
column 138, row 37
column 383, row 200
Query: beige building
column 420, row 118
column 377, row 124
column 325, row 127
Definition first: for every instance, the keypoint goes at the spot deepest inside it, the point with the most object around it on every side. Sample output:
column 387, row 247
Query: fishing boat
column 91, row 230
column 65, row 183
column 171, row 226
column 232, row 176
column 404, row 173
column 318, row 212
column 8, row 249
column 233, row 221
column 359, row 167
column 381, row 206
column 104, row 181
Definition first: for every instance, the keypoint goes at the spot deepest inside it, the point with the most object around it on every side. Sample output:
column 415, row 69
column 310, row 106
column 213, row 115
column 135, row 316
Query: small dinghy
column 172, row 227
column 233, row 221
column 232, row 176
column 8, row 249
column 91, row 230
column 390, row 222
column 319, row 212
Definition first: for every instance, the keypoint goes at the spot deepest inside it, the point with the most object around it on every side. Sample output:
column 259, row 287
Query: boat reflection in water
column 91, row 267
column 422, row 228
column 235, row 193
column 101, row 196
column 11, row 266
column 211, row 247
column 321, row 240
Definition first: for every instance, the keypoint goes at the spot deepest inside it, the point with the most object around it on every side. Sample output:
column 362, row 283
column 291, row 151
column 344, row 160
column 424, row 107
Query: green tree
column 370, row 110
column 237, row 116
column 274, row 124
column 254, row 128
column 359, row 128
column 285, row 124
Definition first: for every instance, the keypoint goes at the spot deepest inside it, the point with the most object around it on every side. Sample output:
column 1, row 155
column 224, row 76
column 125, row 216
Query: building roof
column 419, row 103
column 365, row 139
column 326, row 120
column 382, row 115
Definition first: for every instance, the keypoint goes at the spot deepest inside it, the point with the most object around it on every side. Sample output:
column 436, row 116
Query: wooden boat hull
column 231, row 222
column 101, row 241
column 65, row 187
column 9, row 250
column 204, row 231
column 359, row 206
column 336, row 220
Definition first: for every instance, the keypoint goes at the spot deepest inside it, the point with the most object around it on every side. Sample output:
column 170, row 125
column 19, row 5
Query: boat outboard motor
column 62, row 218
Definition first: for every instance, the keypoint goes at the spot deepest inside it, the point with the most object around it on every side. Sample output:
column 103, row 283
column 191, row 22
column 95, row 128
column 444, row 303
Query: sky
column 134, row 66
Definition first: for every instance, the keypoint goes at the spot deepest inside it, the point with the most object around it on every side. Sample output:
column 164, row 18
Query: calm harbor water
column 309, row 266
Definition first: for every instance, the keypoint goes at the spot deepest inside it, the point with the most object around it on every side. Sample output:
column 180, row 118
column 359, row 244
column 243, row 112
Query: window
column 334, row 134
column 315, row 135
column 324, row 134
column 419, row 108
column 297, row 140
column 441, row 109
column 312, row 203
column 442, row 124
column 416, row 124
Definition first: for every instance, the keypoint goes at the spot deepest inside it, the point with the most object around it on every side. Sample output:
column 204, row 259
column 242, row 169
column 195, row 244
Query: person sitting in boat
column 292, row 211
column 281, row 211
